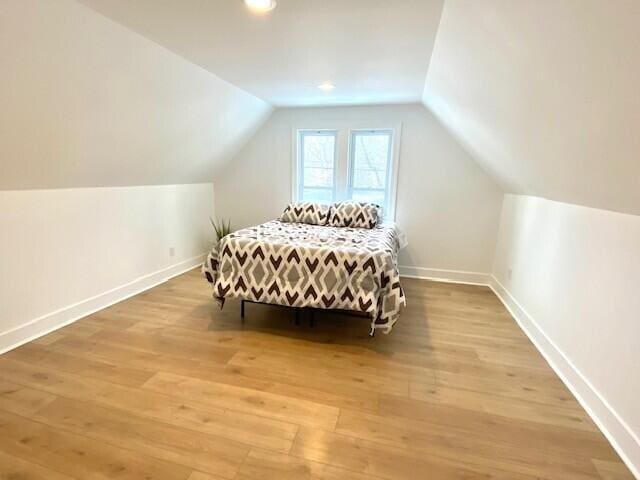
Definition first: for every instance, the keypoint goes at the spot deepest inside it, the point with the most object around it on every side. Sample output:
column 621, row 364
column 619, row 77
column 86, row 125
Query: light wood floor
column 165, row 386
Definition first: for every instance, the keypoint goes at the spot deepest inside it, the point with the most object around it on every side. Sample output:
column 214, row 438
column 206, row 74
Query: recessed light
column 326, row 86
column 261, row 6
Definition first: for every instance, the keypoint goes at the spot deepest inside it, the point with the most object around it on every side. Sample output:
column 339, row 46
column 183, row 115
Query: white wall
column 545, row 95
column 575, row 286
column 85, row 102
column 67, row 252
column 447, row 205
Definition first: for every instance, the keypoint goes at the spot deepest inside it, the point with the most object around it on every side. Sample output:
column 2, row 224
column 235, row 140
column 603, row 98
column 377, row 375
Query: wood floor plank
column 160, row 344
column 363, row 378
column 387, row 462
column 455, row 444
column 203, row 476
column 15, row 468
column 566, row 415
column 104, row 350
column 498, row 427
column 309, row 387
column 66, row 362
column 149, row 362
column 262, row 465
column 156, row 439
column 165, row 385
column 612, row 470
column 77, row 456
column 320, row 345
column 109, row 319
column 40, row 377
column 22, row 400
column 50, row 337
column 511, row 383
column 301, row 412
column 188, row 413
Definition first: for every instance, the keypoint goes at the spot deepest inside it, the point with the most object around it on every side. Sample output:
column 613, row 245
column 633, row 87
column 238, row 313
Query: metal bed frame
column 311, row 310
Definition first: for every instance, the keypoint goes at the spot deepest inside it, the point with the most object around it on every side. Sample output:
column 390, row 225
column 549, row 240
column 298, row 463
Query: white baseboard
column 439, row 275
column 614, row 428
column 52, row 321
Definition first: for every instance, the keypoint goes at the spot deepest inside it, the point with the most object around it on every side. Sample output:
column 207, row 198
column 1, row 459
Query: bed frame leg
column 242, row 310
column 297, row 315
column 311, row 318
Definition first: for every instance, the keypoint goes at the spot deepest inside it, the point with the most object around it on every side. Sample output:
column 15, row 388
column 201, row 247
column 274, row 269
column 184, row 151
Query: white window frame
column 389, row 210
column 298, row 160
column 342, row 158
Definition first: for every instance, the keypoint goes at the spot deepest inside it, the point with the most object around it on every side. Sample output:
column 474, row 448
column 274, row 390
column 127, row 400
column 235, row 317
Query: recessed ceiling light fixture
column 326, row 86
column 261, row 6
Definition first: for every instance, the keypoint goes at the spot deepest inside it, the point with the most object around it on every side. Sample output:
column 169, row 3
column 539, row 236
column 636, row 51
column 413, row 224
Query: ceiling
column 86, row 102
column 545, row 95
column 374, row 51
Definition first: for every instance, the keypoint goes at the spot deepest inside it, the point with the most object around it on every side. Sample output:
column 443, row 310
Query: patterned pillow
column 354, row 214
column 306, row 212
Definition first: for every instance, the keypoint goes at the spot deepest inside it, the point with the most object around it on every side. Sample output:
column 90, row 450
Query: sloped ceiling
column 86, row 102
column 545, row 95
column 374, row 51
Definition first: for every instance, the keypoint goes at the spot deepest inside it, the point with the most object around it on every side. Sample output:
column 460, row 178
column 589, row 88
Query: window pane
column 323, row 195
column 370, row 160
column 317, row 163
column 319, row 150
column 372, row 196
column 369, row 178
column 370, row 167
column 318, row 177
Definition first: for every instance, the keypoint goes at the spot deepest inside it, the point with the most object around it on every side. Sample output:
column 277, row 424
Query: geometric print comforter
column 302, row 265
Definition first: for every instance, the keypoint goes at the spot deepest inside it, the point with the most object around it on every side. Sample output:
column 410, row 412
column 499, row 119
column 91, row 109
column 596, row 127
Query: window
column 332, row 165
column 317, row 165
column 370, row 162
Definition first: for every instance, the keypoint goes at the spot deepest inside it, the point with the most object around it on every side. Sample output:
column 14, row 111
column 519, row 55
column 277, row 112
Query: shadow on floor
column 328, row 327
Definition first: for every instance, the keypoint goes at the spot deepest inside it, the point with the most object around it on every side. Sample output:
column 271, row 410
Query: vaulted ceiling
column 545, row 95
column 86, row 102
column 374, row 51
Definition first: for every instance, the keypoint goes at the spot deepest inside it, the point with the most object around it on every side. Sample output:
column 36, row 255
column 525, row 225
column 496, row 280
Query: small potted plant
column 221, row 228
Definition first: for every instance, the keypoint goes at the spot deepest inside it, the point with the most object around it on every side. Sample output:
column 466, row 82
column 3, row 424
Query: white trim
column 615, row 429
column 293, row 194
column 393, row 167
column 440, row 275
column 342, row 155
column 397, row 142
column 52, row 321
column 297, row 156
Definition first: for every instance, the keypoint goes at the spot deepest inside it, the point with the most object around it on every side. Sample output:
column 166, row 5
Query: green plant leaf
column 221, row 227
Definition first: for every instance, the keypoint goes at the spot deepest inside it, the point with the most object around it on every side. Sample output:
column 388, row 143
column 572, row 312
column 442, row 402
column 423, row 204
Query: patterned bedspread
column 302, row 265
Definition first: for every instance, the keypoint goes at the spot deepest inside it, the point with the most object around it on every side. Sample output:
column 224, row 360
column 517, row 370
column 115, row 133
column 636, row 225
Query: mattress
column 301, row 265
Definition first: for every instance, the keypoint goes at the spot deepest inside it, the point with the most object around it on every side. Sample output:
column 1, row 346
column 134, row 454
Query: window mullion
column 341, row 166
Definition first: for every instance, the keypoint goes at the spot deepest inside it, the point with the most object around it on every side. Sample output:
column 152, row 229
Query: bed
column 318, row 266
